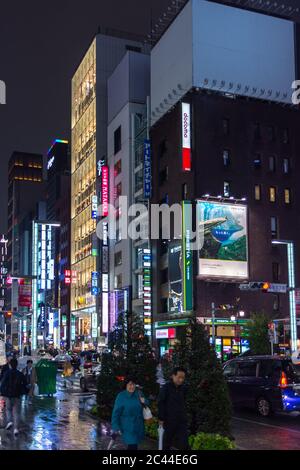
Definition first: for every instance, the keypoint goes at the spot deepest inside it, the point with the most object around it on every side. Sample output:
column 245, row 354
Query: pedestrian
column 31, row 377
column 13, row 386
column 6, row 367
column 127, row 416
column 172, row 412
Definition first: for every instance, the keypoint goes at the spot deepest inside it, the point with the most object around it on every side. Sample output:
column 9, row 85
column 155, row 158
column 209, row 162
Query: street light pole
column 213, row 315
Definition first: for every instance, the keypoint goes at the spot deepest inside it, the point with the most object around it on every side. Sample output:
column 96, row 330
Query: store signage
column 105, row 312
column 187, row 256
column 147, row 291
column 100, row 165
column 104, row 282
column 147, row 170
column 70, row 277
column 105, row 176
column 186, row 137
column 25, row 293
column 94, row 207
column 173, row 323
column 297, row 300
column 95, row 288
column 169, row 333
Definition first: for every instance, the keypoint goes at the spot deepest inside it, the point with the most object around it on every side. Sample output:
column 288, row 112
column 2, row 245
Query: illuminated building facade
column 89, row 150
column 3, row 277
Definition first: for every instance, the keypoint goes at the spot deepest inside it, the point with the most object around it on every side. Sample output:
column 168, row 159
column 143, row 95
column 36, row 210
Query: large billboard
column 225, row 248
column 175, row 278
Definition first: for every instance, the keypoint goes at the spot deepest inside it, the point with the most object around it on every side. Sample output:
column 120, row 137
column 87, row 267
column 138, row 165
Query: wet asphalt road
column 60, row 423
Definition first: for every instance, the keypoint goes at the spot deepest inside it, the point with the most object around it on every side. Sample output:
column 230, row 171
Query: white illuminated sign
column 50, row 163
column 105, row 312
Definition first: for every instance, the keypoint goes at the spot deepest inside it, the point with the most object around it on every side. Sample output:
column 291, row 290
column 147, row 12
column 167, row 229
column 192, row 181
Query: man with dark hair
column 30, row 376
column 13, row 386
column 172, row 413
column 6, row 367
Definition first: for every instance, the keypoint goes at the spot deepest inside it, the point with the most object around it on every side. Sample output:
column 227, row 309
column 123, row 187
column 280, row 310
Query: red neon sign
column 105, row 176
column 186, row 137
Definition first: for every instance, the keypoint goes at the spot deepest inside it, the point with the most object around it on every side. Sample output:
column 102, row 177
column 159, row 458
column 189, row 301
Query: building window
column 272, row 194
column 286, row 136
column 118, row 258
column 257, row 131
column 118, row 281
column 274, row 227
column 286, row 166
column 271, row 133
column 226, row 126
column 272, row 164
column 118, row 167
column 117, row 140
column 226, row 189
column 257, row 161
column 184, row 191
column 287, row 196
column 226, row 158
column 119, row 190
column 257, row 192
column 163, row 175
column 275, row 271
column 162, row 148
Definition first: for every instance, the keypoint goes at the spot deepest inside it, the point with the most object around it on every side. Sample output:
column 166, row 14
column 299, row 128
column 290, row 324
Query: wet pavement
column 61, row 423
column 57, row 423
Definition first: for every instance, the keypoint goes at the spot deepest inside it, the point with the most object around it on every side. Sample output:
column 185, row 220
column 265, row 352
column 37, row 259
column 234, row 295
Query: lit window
column 226, row 158
column 226, row 189
column 274, row 227
column 287, row 196
column 257, row 192
column 272, row 194
column 286, row 166
column 257, row 161
column 118, row 167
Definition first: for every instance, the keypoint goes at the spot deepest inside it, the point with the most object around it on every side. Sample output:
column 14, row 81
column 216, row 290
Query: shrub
column 151, row 428
column 203, row 441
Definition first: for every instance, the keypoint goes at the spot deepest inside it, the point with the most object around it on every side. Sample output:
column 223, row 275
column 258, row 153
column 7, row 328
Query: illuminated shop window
column 287, row 196
column 272, row 194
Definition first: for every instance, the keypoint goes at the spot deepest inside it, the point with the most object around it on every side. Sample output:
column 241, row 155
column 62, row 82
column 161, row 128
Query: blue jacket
column 128, row 418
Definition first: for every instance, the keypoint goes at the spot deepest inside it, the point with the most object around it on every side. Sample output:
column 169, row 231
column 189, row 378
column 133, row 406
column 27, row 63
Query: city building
column 128, row 92
column 3, row 277
column 25, row 189
column 58, row 197
column 225, row 144
column 88, row 155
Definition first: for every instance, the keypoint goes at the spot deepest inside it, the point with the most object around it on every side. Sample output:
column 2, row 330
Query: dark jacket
column 13, row 384
column 4, row 369
column 172, row 404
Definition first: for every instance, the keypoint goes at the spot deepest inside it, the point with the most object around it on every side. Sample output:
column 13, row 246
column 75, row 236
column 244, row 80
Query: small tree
column 130, row 354
column 258, row 334
column 208, row 402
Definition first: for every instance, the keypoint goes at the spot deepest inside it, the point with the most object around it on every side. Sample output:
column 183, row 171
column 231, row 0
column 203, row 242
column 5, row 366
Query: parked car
column 266, row 383
column 88, row 382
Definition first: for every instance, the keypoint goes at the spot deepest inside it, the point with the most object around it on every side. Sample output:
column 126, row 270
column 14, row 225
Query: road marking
column 266, row 425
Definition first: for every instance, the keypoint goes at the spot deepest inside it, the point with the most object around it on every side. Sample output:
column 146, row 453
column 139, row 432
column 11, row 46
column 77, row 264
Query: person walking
column 6, row 367
column 31, row 377
column 172, row 414
column 13, row 386
column 127, row 416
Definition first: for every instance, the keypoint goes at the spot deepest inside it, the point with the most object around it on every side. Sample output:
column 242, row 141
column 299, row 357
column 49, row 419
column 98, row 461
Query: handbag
column 147, row 413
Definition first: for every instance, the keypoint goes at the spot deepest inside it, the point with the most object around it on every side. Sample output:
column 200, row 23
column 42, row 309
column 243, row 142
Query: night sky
column 41, row 43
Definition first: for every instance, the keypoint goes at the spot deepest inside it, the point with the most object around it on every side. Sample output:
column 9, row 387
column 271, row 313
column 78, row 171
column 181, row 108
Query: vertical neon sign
column 186, row 137
column 105, row 175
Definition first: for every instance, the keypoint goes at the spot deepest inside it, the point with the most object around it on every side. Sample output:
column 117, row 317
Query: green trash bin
column 46, row 372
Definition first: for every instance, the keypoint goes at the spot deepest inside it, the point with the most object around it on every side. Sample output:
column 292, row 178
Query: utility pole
column 213, row 316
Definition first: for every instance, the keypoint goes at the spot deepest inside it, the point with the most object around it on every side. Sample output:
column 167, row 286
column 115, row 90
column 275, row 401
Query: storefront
column 230, row 337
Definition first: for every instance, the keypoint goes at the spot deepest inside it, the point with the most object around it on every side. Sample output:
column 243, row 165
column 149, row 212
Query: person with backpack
column 128, row 417
column 13, row 386
column 172, row 414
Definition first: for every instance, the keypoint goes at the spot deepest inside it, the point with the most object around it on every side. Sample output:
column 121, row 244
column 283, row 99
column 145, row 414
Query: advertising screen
column 175, row 279
column 225, row 250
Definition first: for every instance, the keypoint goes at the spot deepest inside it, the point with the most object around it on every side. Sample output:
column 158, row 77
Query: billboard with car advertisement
column 225, row 250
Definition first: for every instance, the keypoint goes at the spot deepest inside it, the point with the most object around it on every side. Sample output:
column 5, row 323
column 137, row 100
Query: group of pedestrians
column 14, row 384
column 128, row 412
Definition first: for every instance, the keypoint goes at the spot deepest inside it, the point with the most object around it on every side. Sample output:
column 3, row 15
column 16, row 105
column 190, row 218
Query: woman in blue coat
column 127, row 416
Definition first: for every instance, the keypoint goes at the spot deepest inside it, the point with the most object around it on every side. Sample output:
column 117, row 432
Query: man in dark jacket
column 6, row 367
column 172, row 413
column 13, row 386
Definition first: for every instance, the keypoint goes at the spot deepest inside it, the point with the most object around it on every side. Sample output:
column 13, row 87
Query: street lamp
column 292, row 285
